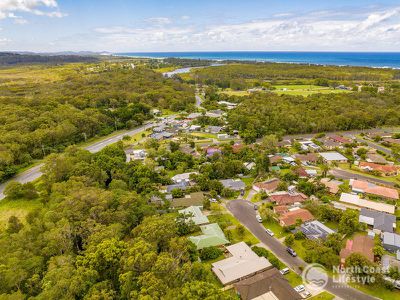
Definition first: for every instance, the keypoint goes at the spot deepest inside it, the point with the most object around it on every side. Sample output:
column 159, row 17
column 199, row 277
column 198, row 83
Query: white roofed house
column 354, row 201
column 242, row 263
column 182, row 177
column 330, row 157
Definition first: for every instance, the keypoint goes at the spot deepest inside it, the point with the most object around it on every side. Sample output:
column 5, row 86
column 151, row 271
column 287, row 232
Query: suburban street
column 245, row 213
column 343, row 174
column 34, row 172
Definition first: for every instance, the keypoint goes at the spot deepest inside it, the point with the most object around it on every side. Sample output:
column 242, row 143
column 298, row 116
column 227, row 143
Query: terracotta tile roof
column 283, row 198
column 332, row 185
column 340, row 139
column 371, row 188
column 291, row 217
column 361, row 244
column 381, row 168
column 301, row 172
column 274, row 159
column 281, row 209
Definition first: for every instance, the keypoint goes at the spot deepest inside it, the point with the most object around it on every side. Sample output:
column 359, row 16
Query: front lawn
column 323, row 296
column 228, row 222
column 275, row 228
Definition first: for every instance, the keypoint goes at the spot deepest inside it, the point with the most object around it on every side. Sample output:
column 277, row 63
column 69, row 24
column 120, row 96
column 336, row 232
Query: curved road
column 34, row 172
column 245, row 213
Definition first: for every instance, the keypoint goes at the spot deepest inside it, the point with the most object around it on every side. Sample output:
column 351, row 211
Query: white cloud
column 159, row 21
column 9, row 8
column 322, row 30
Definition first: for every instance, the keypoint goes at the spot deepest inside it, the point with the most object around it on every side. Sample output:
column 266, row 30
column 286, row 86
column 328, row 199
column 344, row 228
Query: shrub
column 210, row 253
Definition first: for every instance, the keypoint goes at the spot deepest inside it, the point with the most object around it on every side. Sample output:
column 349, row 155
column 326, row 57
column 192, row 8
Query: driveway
column 244, row 212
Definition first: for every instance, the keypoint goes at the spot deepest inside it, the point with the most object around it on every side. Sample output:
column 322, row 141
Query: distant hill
column 9, row 58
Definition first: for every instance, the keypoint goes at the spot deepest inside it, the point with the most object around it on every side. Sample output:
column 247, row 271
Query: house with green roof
column 212, row 236
column 194, row 213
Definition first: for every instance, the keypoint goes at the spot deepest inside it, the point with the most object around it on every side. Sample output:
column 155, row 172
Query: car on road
column 284, row 271
column 300, row 288
column 269, row 232
column 259, row 219
column 291, row 251
column 255, row 207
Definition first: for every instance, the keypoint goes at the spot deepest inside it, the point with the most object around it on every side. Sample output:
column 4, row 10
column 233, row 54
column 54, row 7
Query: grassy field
column 304, row 90
column 18, row 208
column 275, row 228
column 227, row 220
column 204, row 135
column 230, row 92
column 323, row 296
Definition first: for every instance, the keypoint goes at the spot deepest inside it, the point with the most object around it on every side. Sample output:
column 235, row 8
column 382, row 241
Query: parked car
column 213, row 200
column 300, row 288
column 291, row 251
column 259, row 219
column 255, row 207
column 284, row 271
column 269, row 232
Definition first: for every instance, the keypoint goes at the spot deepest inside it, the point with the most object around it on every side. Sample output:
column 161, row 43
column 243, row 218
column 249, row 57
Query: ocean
column 364, row 59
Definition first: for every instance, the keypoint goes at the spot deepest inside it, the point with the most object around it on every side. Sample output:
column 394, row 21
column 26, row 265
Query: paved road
column 34, row 172
column 245, row 213
column 342, row 174
column 374, row 145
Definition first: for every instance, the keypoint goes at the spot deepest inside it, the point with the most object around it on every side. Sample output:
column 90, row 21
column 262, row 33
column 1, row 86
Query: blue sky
column 175, row 25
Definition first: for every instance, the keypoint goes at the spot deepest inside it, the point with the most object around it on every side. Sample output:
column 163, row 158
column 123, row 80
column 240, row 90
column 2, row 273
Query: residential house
column 365, row 187
column 267, row 186
column 223, row 136
column 307, row 159
column 301, row 172
column 285, row 143
column 182, row 185
column 391, row 241
column 135, row 155
column 162, row 135
column 289, row 160
column 290, row 218
column 241, row 264
column 193, row 199
column 387, row 170
column 392, row 141
column 311, row 172
column 217, row 113
column 210, row 151
column 333, row 156
column 285, row 198
column 376, row 158
column 339, row 139
column 194, row 214
column 280, row 209
column 332, row 185
column 212, row 236
column 361, row 244
column 249, row 165
column 309, row 145
column 194, row 128
column 269, row 284
column 315, row 230
column 182, row 177
column 380, row 221
column 233, row 184
column 229, row 105
column 357, row 203
column 274, row 159
column 193, row 116
column 330, row 144
column 214, row 129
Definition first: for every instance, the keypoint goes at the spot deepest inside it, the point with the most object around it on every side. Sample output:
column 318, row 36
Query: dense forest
column 95, row 237
column 45, row 109
column 267, row 113
column 8, row 58
column 222, row 75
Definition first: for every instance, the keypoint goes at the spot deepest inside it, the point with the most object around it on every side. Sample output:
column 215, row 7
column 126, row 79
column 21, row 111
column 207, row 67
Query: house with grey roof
column 214, row 129
column 380, row 221
column 391, row 241
column 233, row 184
column 180, row 185
column 315, row 230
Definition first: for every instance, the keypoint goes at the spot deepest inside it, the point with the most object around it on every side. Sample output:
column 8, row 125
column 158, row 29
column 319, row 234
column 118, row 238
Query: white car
column 284, row 271
column 269, row 232
column 300, row 288
column 259, row 219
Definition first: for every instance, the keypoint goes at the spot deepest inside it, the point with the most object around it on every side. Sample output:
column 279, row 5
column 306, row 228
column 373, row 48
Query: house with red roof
column 339, row 139
column 388, row 170
column 361, row 244
column 267, row 186
column 290, row 218
column 365, row 187
column 286, row 198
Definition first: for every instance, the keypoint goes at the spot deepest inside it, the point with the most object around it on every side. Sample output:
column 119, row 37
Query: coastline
column 378, row 60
